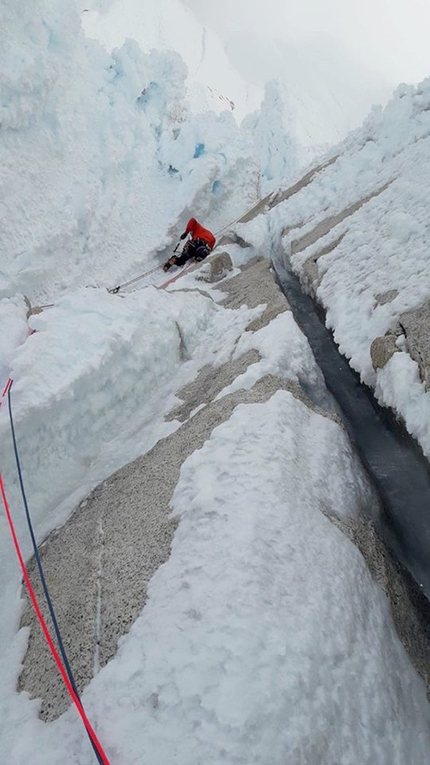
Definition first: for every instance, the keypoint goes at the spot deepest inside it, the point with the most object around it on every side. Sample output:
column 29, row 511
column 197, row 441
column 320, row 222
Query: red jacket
column 198, row 232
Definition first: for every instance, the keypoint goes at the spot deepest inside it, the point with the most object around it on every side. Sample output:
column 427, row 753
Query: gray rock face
column 275, row 198
column 99, row 564
column 232, row 237
column 310, row 268
column 209, row 382
column 215, row 267
column 416, row 327
column 382, row 349
column 283, row 194
column 386, row 297
column 325, row 226
column 253, row 286
column 410, row 608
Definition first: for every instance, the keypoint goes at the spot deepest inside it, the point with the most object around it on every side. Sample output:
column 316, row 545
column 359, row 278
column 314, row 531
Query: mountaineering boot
column 171, row 262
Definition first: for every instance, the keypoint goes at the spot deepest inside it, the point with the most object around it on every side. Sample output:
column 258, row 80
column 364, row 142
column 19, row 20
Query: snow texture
column 101, row 159
column 264, row 638
column 362, row 224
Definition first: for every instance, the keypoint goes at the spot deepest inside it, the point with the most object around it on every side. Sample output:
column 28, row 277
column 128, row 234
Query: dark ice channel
column 393, row 459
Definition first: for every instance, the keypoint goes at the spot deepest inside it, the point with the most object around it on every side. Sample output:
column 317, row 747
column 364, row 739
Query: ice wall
column 102, row 160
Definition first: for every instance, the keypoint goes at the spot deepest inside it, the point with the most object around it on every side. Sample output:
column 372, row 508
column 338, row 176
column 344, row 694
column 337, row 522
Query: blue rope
column 40, row 568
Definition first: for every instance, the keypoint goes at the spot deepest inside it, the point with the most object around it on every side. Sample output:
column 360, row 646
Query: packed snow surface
column 264, row 638
column 380, row 248
column 102, row 159
column 213, row 83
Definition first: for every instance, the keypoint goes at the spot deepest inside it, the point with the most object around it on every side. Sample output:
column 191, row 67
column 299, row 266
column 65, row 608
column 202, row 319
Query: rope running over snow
column 64, row 667
column 115, row 290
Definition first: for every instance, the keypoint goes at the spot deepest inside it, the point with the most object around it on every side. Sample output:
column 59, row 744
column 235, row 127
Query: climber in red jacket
column 198, row 247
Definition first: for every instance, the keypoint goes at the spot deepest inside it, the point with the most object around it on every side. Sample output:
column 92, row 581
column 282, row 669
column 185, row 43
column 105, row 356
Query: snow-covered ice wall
column 357, row 234
column 101, row 158
column 213, row 83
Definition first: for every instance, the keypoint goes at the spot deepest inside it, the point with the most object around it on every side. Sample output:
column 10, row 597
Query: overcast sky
column 389, row 36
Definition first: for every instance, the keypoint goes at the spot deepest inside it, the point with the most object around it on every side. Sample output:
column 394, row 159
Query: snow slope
column 252, row 641
column 250, row 647
column 112, row 356
column 101, row 159
column 326, row 90
column 223, row 663
column 213, row 83
column 358, row 236
column 332, row 84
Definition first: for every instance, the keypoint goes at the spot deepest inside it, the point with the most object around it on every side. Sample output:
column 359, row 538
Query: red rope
column 31, row 592
column 48, row 638
column 177, row 276
column 6, row 388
